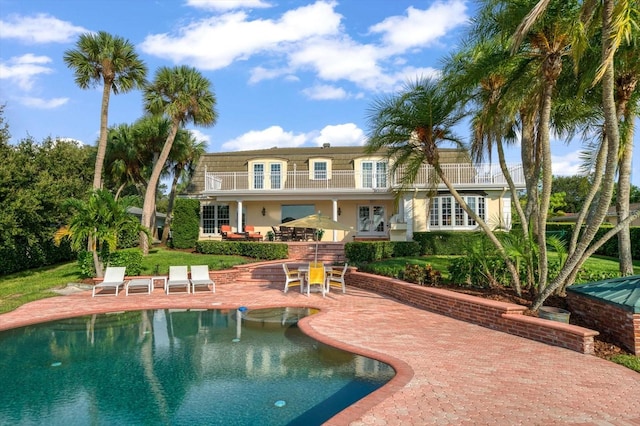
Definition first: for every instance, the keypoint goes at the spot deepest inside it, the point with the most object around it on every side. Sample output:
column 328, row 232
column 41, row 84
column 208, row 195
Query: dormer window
column 319, row 169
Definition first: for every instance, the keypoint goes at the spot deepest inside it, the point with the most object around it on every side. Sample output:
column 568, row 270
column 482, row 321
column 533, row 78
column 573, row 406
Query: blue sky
column 286, row 73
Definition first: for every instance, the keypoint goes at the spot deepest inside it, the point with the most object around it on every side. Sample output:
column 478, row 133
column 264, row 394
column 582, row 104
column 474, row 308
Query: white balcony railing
column 482, row 175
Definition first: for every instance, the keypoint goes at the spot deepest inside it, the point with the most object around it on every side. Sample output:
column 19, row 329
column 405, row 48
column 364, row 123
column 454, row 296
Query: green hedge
column 446, row 242
column 33, row 254
column 255, row 250
column 185, row 226
column 610, row 248
column 358, row 252
column 130, row 258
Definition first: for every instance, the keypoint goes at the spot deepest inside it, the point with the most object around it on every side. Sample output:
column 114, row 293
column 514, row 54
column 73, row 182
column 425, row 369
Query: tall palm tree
column 411, row 126
column 182, row 94
column 183, row 158
column 110, row 60
column 615, row 26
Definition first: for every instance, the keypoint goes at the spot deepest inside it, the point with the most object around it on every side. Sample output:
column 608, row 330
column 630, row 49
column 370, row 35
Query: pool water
column 178, row 367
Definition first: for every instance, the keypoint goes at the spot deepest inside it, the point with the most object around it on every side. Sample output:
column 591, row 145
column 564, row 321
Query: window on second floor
column 319, row 169
column 374, row 174
column 266, row 174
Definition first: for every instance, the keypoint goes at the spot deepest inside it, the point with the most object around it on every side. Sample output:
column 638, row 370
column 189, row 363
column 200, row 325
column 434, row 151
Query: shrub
column 255, row 250
column 185, row 226
column 423, row 275
column 130, row 258
column 361, row 252
column 446, row 242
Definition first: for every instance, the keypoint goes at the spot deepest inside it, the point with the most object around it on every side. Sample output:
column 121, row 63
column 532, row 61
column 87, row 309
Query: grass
column 629, row 361
column 34, row 284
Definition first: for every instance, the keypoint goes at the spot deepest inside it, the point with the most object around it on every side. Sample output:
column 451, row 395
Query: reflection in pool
column 178, row 367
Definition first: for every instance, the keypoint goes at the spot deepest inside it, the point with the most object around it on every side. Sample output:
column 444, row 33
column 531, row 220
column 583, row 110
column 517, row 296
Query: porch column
column 408, row 216
column 239, row 218
column 334, row 208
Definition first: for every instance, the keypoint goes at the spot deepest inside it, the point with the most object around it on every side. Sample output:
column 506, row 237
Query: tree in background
column 575, row 189
column 182, row 95
column 35, row 179
column 110, row 60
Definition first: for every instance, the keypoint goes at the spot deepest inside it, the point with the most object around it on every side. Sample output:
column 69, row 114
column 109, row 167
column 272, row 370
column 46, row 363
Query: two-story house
column 266, row 187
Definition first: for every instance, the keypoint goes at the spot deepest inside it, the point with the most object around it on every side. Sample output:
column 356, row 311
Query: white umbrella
column 317, row 221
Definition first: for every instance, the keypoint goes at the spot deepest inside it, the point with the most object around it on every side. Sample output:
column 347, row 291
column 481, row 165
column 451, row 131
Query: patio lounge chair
column 335, row 278
column 228, row 234
column 200, row 277
column 178, row 277
column 251, row 234
column 113, row 278
column 291, row 278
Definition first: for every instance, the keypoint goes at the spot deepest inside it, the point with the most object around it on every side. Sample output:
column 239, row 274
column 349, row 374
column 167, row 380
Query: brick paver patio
column 449, row 371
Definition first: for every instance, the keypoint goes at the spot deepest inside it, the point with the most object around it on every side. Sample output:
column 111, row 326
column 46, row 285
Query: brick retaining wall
column 617, row 324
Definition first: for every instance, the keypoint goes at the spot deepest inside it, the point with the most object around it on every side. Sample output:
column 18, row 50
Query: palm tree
column 99, row 219
column 411, row 126
column 182, row 161
column 113, row 61
column 123, row 156
column 182, row 95
column 615, row 26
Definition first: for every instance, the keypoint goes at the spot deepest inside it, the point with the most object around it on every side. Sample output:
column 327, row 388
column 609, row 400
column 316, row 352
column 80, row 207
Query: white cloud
column 228, row 4
column 325, row 92
column 22, row 70
column 568, row 164
column 39, row 29
column 347, row 134
column 261, row 73
column 216, row 42
column 43, row 103
column 274, row 136
column 421, row 28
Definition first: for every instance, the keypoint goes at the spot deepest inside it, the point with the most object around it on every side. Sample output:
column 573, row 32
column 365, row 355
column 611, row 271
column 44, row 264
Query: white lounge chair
column 200, row 277
column 291, row 278
column 178, row 277
column 145, row 283
column 335, row 278
column 113, row 278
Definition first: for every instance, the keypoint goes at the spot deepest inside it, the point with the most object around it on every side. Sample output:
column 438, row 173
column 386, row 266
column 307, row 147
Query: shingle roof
column 341, row 159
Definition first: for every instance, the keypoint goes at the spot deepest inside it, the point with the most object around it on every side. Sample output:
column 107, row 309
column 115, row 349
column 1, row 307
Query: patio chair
column 335, row 278
column 178, row 277
column 291, row 278
column 113, row 278
column 317, row 276
column 200, row 277
column 251, row 233
column 228, row 234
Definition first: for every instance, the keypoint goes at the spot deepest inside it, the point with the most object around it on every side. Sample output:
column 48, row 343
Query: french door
column 371, row 220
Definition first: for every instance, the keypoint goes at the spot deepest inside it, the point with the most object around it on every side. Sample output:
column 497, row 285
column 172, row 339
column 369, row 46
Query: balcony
column 464, row 176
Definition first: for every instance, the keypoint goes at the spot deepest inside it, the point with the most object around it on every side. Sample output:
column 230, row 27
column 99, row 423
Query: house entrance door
column 371, row 221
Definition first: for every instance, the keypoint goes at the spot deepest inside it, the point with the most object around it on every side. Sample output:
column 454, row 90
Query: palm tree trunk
column 102, row 143
column 611, row 125
column 625, row 87
column 172, row 196
column 148, row 207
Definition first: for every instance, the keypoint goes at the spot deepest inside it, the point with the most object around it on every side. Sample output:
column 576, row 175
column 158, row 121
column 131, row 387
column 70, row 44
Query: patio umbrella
column 316, row 221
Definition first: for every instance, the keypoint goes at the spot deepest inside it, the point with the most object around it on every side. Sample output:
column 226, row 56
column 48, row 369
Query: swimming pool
column 178, row 367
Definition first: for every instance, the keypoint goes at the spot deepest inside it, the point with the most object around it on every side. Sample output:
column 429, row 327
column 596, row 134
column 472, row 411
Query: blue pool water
column 178, row 367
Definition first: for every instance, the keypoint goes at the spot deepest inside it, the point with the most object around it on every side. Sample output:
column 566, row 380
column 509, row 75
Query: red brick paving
column 449, row 372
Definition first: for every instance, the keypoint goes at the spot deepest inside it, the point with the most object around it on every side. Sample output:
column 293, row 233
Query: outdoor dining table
column 303, row 270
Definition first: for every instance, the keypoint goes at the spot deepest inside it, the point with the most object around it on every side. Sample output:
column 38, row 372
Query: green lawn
column 27, row 286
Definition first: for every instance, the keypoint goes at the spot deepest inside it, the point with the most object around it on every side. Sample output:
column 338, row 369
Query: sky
column 285, row 73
